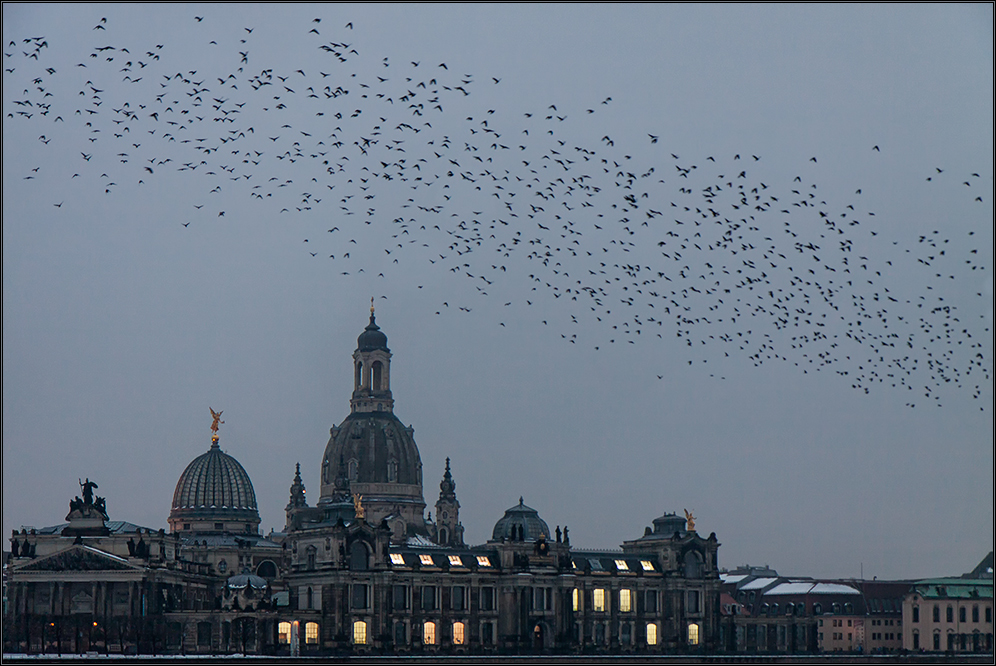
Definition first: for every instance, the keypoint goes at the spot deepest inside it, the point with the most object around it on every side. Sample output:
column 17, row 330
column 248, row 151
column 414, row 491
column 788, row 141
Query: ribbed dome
column 214, row 488
column 520, row 516
column 372, row 337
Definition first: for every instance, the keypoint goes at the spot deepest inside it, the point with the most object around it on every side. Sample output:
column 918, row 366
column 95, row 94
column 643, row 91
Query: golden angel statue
column 358, row 504
column 690, row 519
column 217, row 419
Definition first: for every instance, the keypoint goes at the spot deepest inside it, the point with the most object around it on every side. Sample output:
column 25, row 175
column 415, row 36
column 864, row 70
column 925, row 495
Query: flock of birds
column 385, row 164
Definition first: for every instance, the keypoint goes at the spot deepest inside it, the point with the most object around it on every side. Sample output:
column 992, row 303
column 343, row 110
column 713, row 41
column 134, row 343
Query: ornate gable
column 79, row 558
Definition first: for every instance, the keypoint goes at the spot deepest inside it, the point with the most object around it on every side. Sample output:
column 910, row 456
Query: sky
column 630, row 260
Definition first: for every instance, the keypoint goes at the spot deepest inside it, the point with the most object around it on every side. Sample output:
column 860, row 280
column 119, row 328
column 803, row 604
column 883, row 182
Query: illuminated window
column 360, row 632
column 455, row 561
column 429, row 633
column 625, row 601
column 483, row 561
column 576, row 599
column 693, row 634
column 397, row 558
column 311, row 633
column 458, row 635
column 283, row 633
column 621, row 565
column 598, row 599
column 651, row 634
column 426, row 560
column 647, row 565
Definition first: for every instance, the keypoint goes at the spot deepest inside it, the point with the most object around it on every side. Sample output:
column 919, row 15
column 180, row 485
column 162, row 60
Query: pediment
column 79, row 558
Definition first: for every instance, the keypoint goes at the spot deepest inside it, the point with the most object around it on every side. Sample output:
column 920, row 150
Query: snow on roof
column 790, row 588
column 833, row 588
column 758, row 583
column 419, row 541
column 732, row 578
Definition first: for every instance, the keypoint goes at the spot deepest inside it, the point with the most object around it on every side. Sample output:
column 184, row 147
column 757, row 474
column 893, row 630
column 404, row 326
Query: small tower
column 297, row 500
column 449, row 531
column 372, row 371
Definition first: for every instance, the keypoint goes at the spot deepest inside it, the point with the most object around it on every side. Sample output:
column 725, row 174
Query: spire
column 297, row 491
column 372, row 370
column 447, row 487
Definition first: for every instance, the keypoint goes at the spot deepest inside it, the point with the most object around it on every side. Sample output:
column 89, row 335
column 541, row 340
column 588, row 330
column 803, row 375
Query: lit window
column 397, row 558
column 598, row 599
column 426, row 560
column 621, row 565
column 311, row 633
column 576, row 599
column 360, row 632
column 647, row 565
column 693, row 634
column 625, row 601
column 455, row 561
column 651, row 634
column 429, row 633
column 483, row 561
column 458, row 636
column 283, row 633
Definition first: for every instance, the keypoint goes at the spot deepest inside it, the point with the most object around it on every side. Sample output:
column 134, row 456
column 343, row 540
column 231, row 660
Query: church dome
column 520, row 523
column 371, row 338
column 214, row 494
column 372, row 447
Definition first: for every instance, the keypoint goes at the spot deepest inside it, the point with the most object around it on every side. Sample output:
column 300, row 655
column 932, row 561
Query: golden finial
column 358, row 504
column 216, row 416
column 690, row 519
column 371, row 306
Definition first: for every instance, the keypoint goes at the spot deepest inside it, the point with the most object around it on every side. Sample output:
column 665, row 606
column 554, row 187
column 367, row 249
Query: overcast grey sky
column 166, row 248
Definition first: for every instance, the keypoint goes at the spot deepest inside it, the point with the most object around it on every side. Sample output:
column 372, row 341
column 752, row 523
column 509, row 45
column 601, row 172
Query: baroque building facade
column 362, row 571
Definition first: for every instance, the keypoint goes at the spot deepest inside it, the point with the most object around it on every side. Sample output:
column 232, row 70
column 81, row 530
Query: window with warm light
column 651, row 634
column 360, row 632
column 397, row 558
column 483, row 561
column 621, row 565
column 426, row 560
column 283, row 633
column 576, row 599
column 458, row 633
column 429, row 633
column 311, row 633
column 625, row 601
column 647, row 565
column 598, row 599
column 693, row 634
column 455, row 561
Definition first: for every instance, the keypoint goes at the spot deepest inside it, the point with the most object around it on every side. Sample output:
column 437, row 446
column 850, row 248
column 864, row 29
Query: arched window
column 693, row 633
column 458, row 633
column 354, row 470
column 693, row 564
column 848, row 609
column 651, row 634
column 392, row 471
column 429, row 633
column 311, row 633
column 266, row 569
column 443, row 534
column 774, row 609
column 817, row 609
column 283, row 633
column 359, row 632
column 378, row 376
column 358, row 556
column 358, row 377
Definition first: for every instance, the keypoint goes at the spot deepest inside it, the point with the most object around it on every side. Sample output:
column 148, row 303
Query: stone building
column 363, row 570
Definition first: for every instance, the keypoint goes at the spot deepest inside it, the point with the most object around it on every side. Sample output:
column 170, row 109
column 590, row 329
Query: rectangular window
column 483, row 561
column 458, row 633
column 621, row 565
column 916, row 640
column 950, row 614
column 429, row 633
column 203, row 633
column 400, row 597
column 650, row 600
column 397, row 559
column 647, row 566
column 400, row 634
column 360, row 632
column 455, row 561
column 625, row 601
column 961, row 614
column 693, row 601
column 311, row 633
column 487, row 633
column 457, row 598
column 651, row 634
column 426, row 560
column 359, row 596
column 429, row 598
column 975, row 613
column 598, row 599
column 576, row 600
column 916, row 613
column 487, row 598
